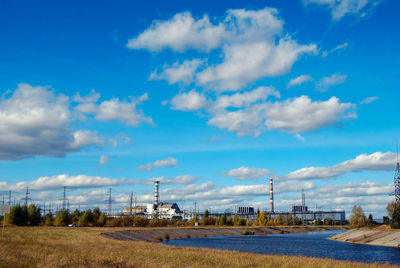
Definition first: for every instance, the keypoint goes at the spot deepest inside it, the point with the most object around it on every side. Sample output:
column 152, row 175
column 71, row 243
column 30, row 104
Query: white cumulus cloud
column 36, row 121
column 178, row 72
column 167, row 162
column 190, row 101
column 252, row 44
column 302, row 114
column 245, row 173
column 299, row 80
column 375, row 161
column 59, row 181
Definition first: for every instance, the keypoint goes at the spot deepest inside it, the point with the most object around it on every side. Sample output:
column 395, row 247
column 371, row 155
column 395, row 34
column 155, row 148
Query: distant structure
column 109, row 202
column 271, row 193
column 396, row 192
column 27, row 196
column 159, row 210
column 245, row 210
column 64, row 200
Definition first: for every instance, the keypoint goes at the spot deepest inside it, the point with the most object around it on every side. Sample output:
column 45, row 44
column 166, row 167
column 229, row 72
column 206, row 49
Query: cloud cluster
column 167, row 162
column 245, row 173
column 252, row 44
column 326, row 82
column 58, row 181
column 36, row 121
column 302, row 114
column 251, row 112
column 299, row 80
column 113, row 110
column 375, row 161
column 181, row 179
column 341, row 8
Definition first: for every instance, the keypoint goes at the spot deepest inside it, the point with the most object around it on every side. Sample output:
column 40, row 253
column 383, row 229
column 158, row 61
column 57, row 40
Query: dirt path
column 153, row 235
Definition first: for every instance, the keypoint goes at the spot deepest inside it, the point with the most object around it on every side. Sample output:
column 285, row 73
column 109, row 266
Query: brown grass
column 84, row 247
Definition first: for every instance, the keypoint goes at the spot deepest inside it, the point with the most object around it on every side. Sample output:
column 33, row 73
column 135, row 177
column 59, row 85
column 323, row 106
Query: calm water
column 314, row 244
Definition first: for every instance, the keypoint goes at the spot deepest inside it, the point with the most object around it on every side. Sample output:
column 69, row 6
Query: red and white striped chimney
column 271, row 192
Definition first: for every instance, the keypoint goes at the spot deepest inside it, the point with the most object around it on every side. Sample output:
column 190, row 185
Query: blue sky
column 210, row 98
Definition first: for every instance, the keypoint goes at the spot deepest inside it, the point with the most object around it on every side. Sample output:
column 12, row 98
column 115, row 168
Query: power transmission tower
column 9, row 198
column 131, row 203
column 27, row 196
column 109, row 200
column 135, row 207
column 64, row 200
column 396, row 192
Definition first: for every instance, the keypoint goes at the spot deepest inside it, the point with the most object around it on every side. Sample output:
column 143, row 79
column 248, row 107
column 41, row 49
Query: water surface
column 314, row 244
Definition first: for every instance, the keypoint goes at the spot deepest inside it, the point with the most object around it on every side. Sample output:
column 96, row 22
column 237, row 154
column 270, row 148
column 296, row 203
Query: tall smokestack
column 271, row 192
column 156, row 192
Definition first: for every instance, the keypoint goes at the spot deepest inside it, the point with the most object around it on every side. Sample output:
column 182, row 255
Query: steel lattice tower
column 396, row 192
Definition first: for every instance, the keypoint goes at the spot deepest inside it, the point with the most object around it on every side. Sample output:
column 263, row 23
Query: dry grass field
column 84, row 247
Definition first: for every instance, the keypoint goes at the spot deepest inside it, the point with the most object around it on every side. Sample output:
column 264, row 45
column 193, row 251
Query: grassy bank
column 83, row 247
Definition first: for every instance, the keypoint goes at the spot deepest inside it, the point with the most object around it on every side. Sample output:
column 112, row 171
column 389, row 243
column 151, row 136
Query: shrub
column 242, row 222
column 247, row 232
column 166, row 237
column 158, row 238
column 141, row 221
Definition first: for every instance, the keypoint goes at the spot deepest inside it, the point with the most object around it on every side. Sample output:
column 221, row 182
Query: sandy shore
column 370, row 237
column 150, row 235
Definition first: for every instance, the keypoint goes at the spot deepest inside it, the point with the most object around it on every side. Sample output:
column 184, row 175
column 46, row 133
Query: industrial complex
column 162, row 210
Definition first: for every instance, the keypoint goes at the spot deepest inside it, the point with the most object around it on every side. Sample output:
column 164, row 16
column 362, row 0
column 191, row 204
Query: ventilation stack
column 156, row 183
column 271, row 192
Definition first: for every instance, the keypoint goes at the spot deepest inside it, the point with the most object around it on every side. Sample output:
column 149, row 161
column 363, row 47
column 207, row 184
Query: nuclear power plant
column 163, row 210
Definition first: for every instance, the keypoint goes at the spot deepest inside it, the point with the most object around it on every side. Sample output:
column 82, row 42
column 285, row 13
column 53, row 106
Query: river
column 313, row 244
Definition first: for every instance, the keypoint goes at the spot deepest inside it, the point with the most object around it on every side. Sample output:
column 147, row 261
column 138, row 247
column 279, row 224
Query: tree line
column 23, row 215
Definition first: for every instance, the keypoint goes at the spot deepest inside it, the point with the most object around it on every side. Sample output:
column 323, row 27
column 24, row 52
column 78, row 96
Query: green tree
column 49, row 220
column 86, row 218
column 96, row 215
column 236, row 220
column 102, row 220
column 18, row 215
column 75, row 216
column 395, row 223
column 390, row 208
column 297, row 221
column 370, row 220
column 63, row 218
column 224, row 219
column 357, row 217
column 280, row 220
column 206, row 214
column 243, row 222
column 290, row 220
column 328, row 221
column 262, row 219
column 33, row 215
column 318, row 222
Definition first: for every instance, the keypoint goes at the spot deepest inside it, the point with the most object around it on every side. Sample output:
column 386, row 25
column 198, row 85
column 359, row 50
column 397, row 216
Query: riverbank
column 370, row 237
column 84, row 247
column 159, row 234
